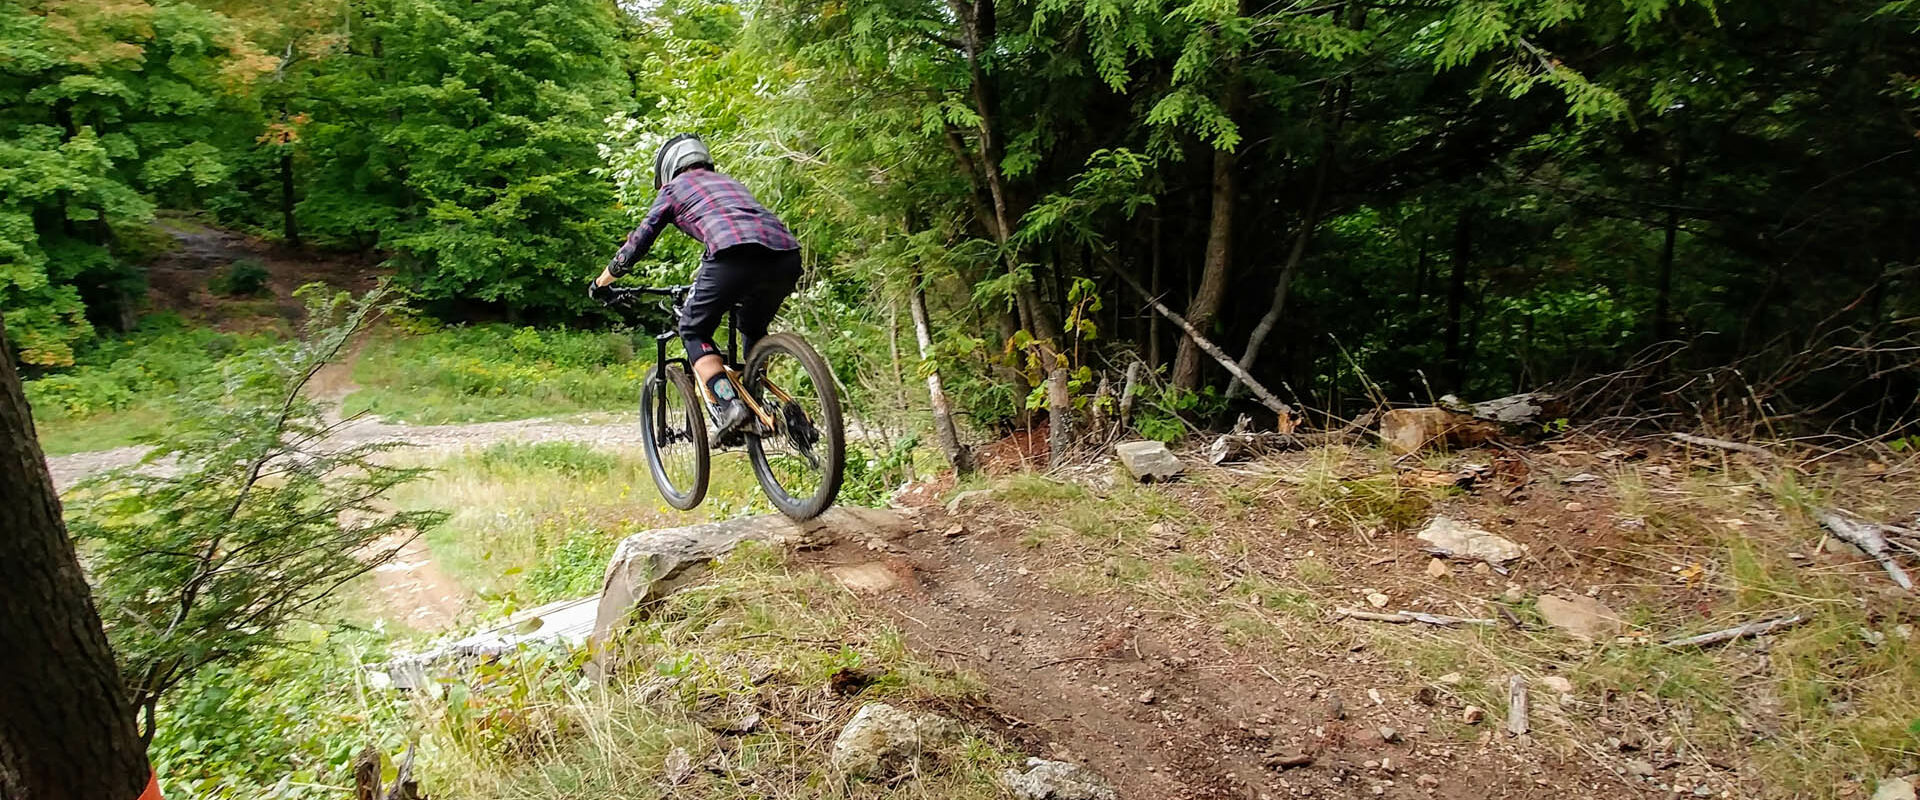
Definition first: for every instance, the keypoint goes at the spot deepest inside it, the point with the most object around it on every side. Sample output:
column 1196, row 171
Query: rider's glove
column 595, row 291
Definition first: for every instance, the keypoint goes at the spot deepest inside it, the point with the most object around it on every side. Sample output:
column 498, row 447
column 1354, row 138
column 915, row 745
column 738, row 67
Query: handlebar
column 621, row 295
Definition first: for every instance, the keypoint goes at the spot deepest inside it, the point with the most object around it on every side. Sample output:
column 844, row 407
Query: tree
column 259, row 521
column 66, row 728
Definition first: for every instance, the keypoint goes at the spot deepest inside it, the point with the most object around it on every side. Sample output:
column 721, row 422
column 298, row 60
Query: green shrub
column 573, row 568
column 243, row 278
column 495, row 372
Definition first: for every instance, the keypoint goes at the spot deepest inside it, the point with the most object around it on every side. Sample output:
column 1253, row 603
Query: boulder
column 1466, row 540
column 1580, row 616
column 881, row 740
column 652, row 564
column 1895, row 789
column 1056, row 780
column 1149, row 461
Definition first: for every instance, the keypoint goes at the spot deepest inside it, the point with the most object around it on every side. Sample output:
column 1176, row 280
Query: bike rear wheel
column 801, row 462
column 674, row 434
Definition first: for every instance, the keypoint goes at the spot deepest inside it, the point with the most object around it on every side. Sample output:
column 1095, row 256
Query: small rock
column 1580, row 617
column 1149, row 461
column 1451, row 679
column 1575, row 505
column 678, row 767
column 1472, row 715
column 881, row 739
column 1056, row 780
column 956, row 530
column 1389, row 734
column 1336, row 708
column 1147, row 697
column 1374, row 695
column 1514, row 593
column 1895, row 789
column 1288, row 760
column 1437, row 568
column 1467, row 540
column 736, row 725
column 1639, row 768
column 1378, row 600
column 961, row 500
column 1840, row 548
column 1584, row 477
column 1557, row 684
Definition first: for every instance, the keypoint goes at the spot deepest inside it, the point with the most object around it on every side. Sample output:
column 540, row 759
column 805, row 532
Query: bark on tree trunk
column 66, row 727
column 1457, row 298
column 288, row 225
column 1663, row 290
column 977, row 32
column 943, row 427
column 1213, row 274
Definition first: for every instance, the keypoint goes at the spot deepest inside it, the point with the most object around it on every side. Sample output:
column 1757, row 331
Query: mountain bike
column 795, row 438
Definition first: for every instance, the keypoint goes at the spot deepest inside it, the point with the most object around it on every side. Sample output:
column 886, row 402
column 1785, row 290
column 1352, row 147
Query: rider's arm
column 659, row 216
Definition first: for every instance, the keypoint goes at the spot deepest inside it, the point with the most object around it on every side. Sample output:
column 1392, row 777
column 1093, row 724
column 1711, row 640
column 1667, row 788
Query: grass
column 121, row 388
column 484, row 373
column 757, row 638
column 535, row 522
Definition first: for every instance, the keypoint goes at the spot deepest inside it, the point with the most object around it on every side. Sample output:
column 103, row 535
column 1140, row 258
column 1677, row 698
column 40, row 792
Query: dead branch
column 1267, row 398
column 1738, row 447
column 1405, row 617
column 1869, row 537
column 366, row 774
column 1517, row 705
column 1722, row 636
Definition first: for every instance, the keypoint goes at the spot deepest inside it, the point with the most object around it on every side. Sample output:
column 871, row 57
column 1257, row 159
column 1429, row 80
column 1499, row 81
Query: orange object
column 153, row 787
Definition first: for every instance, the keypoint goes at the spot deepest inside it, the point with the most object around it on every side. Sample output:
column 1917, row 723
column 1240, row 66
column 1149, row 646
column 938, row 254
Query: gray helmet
column 680, row 152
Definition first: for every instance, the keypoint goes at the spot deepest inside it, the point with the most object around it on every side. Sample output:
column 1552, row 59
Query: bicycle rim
column 674, row 435
column 800, row 462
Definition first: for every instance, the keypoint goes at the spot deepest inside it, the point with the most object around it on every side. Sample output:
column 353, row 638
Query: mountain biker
column 752, row 261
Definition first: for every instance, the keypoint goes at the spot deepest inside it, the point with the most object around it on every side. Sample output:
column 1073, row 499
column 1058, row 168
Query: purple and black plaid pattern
column 710, row 207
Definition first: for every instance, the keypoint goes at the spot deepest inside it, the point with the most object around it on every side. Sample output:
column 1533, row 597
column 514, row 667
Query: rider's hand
column 597, row 291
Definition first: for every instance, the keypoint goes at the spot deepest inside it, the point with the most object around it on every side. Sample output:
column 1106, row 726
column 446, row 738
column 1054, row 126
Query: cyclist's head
column 677, row 155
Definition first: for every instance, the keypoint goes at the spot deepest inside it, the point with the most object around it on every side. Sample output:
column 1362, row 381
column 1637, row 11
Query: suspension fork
column 660, row 376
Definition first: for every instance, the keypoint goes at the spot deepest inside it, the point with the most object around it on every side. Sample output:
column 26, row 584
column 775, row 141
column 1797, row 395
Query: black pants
column 749, row 280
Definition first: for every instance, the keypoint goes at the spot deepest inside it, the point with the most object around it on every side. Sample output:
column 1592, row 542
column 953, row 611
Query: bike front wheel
column 801, row 461
column 674, row 435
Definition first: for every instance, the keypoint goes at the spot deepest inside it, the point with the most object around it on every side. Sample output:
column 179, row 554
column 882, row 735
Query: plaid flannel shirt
column 713, row 209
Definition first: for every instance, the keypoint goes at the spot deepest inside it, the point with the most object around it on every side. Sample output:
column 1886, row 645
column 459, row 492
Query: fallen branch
column 1761, row 628
column 1869, row 537
column 1259, row 390
column 1738, row 447
column 1404, row 617
column 1517, row 705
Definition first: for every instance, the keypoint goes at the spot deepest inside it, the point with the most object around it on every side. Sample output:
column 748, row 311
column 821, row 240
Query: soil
column 413, row 590
column 1158, row 703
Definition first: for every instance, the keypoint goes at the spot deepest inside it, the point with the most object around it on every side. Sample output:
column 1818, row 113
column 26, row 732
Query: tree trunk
column 1280, row 287
column 1420, row 271
column 977, row 32
column 289, row 226
column 943, row 427
column 1213, row 274
column 66, row 727
column 1663, row 288
column 1153, row 320
column 1457, row 298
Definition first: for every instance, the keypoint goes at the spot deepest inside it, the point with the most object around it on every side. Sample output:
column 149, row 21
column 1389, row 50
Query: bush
column 161, row 358
column 243, row 278
column 495, row 372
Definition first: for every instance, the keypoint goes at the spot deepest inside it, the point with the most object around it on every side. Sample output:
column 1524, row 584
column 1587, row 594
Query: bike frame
column 730, row 359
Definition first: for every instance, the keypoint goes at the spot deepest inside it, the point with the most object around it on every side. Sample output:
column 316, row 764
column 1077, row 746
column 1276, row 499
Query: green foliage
column 252, row 527
column 104, row 108
column 243, row 278
column 492, row 372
